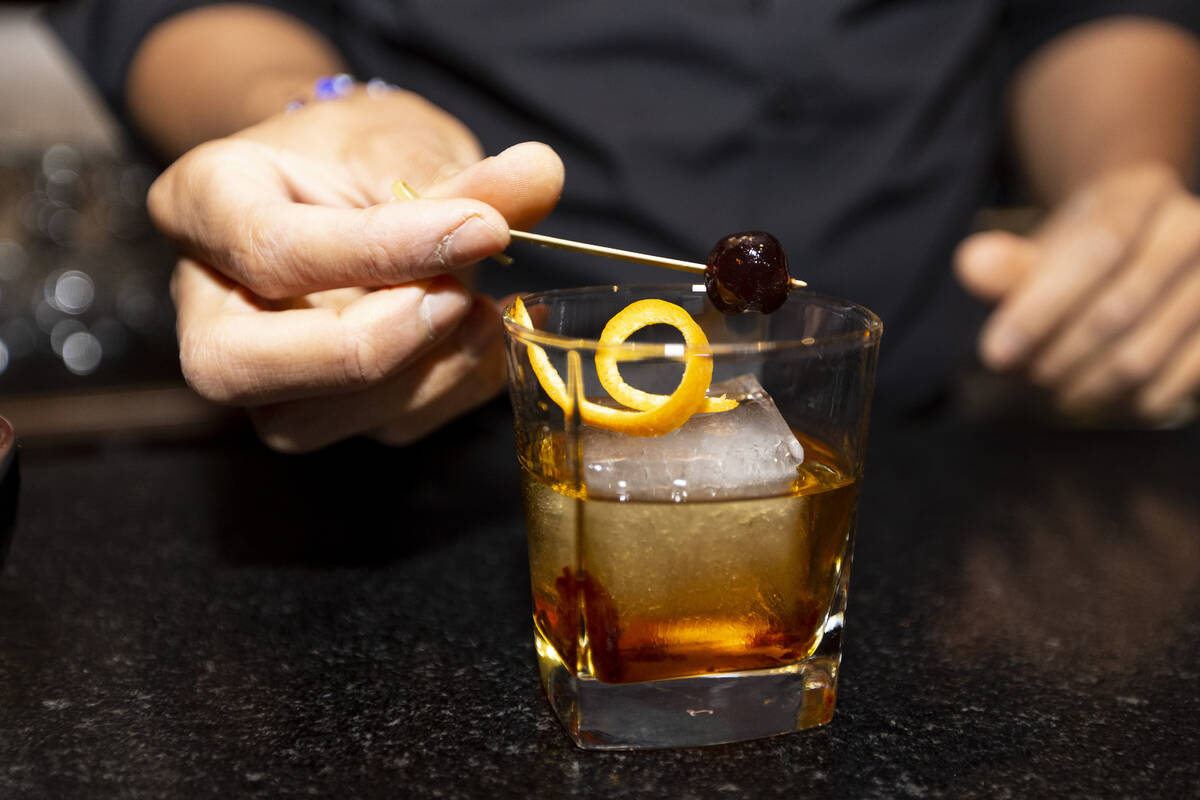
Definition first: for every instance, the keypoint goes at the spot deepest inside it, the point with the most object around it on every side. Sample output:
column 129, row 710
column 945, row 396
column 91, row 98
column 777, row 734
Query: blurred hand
column 1101, row 304
column 308, row 294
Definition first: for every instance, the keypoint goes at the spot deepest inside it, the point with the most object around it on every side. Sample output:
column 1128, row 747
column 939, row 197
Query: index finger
column 231, row 206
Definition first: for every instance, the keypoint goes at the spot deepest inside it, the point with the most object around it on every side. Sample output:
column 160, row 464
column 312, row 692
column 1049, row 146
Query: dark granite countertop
column 211, row 619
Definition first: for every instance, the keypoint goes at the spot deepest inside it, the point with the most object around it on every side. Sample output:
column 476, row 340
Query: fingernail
column 982, row 264
column 984, row 252
column 474, row 238
column 442, row 306
column 1004, row 347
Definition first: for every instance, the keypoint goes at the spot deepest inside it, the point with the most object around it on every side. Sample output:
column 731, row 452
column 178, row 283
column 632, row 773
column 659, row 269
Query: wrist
column 273, row 92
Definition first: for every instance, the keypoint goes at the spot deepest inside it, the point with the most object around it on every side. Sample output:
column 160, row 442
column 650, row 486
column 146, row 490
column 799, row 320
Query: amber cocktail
column 689, row 585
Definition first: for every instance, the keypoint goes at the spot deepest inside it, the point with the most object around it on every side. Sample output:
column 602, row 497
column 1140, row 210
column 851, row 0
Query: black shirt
column 863, row 133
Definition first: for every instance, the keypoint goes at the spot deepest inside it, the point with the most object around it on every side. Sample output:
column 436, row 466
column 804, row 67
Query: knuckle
column 255, row 256
column 192, row 203
column 184, row 189
column 378, row 260
column 195, row 178
column 364, row 361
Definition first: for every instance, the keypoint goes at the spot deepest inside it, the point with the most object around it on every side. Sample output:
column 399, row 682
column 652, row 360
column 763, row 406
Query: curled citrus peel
column 655, row 414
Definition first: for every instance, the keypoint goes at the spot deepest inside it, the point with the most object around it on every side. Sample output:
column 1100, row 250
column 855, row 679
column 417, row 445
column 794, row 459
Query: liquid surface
column 637, row 591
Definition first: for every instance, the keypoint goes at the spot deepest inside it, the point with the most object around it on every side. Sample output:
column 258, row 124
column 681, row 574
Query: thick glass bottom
column 694, row 711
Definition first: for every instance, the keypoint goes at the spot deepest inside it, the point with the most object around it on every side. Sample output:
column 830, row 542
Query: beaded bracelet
column 334, row 87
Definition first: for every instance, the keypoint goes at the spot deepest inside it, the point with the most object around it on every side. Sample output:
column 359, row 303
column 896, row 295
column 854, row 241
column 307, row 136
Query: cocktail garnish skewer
column 402, row 191
column 623, row 255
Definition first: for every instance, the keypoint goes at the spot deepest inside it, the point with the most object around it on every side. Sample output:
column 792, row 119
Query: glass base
column 694, row 711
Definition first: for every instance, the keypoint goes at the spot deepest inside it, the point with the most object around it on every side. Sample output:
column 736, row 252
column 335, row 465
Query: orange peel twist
column 654, row 414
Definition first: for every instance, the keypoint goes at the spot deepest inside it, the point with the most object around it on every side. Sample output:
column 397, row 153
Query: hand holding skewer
column 745, row 271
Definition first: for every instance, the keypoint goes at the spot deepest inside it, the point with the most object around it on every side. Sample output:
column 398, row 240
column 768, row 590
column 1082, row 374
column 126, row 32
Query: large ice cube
column 748, row 451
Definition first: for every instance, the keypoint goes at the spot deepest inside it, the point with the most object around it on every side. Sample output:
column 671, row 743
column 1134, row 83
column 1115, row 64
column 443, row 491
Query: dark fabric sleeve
column 103, row 36
column 1033, row 23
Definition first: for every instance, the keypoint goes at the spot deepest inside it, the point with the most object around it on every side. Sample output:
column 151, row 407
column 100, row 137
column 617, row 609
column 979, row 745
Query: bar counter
column 205, row 618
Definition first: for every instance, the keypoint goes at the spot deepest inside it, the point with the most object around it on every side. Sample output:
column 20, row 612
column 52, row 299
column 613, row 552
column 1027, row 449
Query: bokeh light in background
column 83, row 278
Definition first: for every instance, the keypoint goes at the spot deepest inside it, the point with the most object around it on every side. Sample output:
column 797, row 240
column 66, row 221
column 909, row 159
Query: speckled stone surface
column 191, row 620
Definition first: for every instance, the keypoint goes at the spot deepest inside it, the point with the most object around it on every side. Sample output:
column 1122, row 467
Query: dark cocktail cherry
column 747, row 271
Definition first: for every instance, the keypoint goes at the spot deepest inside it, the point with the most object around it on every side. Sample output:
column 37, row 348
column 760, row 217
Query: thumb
column 523, row 183
column 991, row 264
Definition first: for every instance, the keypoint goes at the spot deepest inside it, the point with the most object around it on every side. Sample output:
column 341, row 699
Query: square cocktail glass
column 689, row 586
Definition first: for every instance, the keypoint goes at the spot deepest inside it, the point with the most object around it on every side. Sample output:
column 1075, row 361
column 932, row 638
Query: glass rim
column 868, row 335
